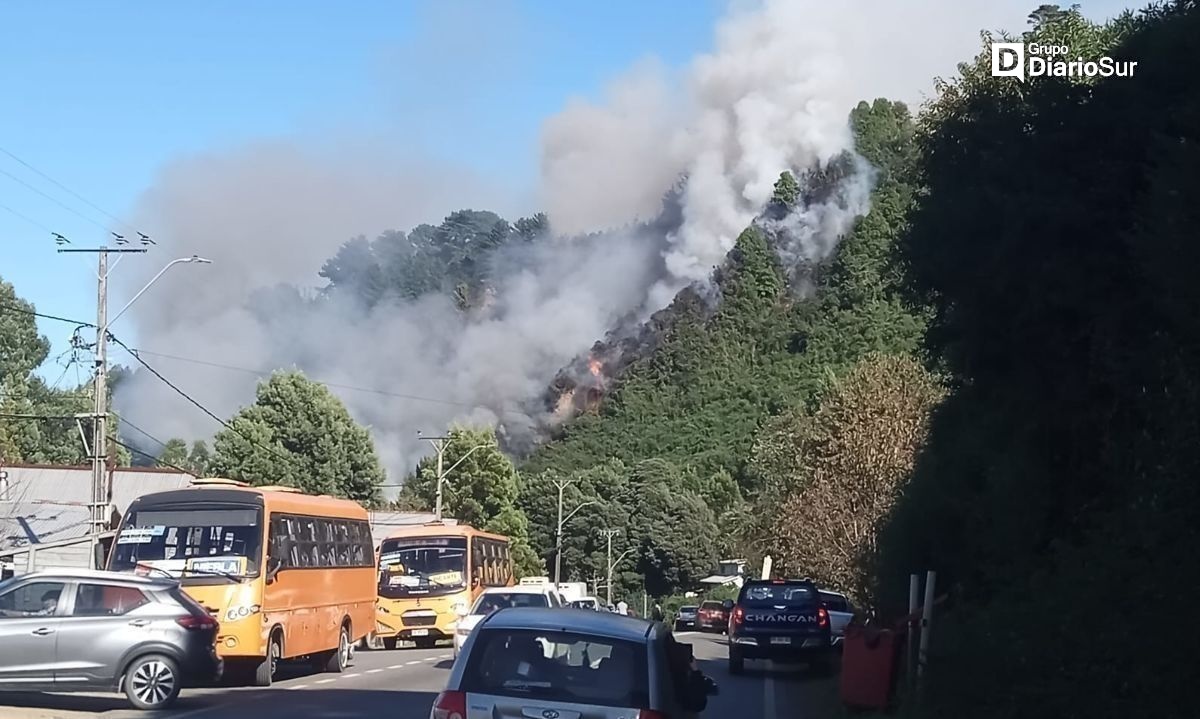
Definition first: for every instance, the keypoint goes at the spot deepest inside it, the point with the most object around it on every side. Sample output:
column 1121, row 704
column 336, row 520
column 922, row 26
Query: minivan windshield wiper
column 231, row 576
column 198, row 572
column 530, row 687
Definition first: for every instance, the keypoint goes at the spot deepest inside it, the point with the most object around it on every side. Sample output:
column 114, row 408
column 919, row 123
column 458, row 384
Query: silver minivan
column 80, row 630
column 525, row 662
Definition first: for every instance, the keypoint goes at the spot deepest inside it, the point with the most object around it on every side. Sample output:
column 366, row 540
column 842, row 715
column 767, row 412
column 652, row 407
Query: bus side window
column 358, row 557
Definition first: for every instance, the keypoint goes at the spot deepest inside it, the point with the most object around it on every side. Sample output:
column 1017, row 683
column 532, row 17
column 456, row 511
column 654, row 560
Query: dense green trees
column 1055, row 242
column 175, row 453
column 37, row 420
column 298, row 434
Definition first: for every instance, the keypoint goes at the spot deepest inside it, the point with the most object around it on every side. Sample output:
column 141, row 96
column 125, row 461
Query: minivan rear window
column 529, row 665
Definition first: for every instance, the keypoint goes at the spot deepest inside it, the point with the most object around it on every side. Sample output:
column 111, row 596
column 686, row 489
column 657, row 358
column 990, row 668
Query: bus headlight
column 241, row 612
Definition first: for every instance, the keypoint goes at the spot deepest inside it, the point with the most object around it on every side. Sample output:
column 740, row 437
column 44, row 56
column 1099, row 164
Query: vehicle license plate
column 781, row 640
column 420, row 632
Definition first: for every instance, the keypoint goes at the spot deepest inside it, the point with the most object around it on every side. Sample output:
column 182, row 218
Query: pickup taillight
column 738, row 616
column 822, row 617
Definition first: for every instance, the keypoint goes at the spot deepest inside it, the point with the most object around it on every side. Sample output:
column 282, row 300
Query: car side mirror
column 273, row 567
column 727, row 604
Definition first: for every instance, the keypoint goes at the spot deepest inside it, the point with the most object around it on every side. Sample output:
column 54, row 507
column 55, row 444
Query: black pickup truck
column 782, row 620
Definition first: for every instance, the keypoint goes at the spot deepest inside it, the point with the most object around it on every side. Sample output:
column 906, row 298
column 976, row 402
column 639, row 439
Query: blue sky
column 99, row 95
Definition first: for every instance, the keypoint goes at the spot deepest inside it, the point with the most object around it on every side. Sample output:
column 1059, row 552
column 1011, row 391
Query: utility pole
column 99, row 449
column 439, row 445
column 562, row 485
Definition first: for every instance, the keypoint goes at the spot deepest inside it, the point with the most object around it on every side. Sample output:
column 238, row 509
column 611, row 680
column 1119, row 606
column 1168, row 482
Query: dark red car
column 712, row 617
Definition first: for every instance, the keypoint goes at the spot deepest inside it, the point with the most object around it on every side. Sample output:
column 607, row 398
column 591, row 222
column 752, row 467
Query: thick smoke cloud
column 773, row 95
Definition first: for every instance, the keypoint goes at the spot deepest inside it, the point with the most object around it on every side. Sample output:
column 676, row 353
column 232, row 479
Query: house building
column 730, row 572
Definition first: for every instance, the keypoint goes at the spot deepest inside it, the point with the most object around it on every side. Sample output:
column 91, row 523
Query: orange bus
column 286, row 574
column 427, row 572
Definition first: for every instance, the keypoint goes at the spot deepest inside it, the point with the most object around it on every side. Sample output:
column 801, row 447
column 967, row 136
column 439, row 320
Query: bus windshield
column 422, row 566
column 189, row 542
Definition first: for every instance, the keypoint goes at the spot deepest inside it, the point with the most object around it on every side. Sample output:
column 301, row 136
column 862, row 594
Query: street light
column 439, row 444
column 562, row 485
column 609, row 534
column 172, row 263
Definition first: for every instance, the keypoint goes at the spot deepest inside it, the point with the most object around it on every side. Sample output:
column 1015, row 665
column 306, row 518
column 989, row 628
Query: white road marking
column 398, row 666
column 350, row 676
column 325, row 681
column 415, row 661
column 296, row 686
column 374, row 671
column 769, row 709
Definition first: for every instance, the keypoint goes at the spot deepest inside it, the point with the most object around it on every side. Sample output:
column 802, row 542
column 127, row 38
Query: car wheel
column 737, row 664
column 389, row 643
column 340, row 659
column 264, row 673
column 425, row 643
column 822, row 667
column 152, row 682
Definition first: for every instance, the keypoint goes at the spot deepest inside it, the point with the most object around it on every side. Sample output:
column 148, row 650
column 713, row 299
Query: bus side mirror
column 273, row 567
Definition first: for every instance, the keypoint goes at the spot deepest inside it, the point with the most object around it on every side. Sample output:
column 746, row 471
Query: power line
column 50, row 197
column 205, row 410
column 28, row 219
column 16, row 415
column 154, row 459
column 43, row 315
column 261, row 373
column 334, row 385
column 143, row 432
column 69, row 190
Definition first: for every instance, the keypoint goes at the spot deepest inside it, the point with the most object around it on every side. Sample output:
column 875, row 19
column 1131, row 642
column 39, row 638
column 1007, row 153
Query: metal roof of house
column 49, row 503
column 73, row 485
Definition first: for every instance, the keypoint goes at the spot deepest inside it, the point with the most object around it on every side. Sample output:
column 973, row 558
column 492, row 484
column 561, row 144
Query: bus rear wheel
column 337, row 660
column 264, row 673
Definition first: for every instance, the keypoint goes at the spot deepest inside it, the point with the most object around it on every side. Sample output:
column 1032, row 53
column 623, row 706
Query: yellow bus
column 286, row 574
column 427, row 572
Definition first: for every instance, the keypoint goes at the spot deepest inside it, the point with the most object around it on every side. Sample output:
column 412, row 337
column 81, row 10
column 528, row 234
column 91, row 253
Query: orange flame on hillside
column 595, row 366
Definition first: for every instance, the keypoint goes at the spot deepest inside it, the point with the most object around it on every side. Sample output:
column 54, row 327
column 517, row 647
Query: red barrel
column 869, row 658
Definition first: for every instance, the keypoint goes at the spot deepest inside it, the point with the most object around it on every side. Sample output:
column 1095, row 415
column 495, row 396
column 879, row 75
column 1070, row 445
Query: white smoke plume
column 773, row 95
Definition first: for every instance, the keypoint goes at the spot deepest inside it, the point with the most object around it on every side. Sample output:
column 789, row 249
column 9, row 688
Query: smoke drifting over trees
column 772, row 96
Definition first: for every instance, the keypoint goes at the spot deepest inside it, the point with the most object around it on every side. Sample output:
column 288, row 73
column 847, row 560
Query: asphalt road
column 403, row 683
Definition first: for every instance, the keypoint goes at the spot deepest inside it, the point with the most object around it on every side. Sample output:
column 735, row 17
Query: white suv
column 496, row 598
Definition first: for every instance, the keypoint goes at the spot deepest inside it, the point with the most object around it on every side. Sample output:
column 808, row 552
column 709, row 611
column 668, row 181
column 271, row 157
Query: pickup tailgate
column 782, row 615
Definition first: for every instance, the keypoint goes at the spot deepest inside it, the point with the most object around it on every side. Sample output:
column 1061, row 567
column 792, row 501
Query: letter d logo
column 1008, row 59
